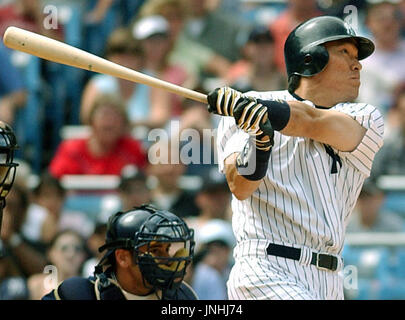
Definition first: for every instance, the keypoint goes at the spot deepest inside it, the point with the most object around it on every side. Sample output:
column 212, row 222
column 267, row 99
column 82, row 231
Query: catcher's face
column 341, row 77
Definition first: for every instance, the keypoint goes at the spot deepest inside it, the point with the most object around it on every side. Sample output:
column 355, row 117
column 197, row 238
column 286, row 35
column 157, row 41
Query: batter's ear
column 123, row 258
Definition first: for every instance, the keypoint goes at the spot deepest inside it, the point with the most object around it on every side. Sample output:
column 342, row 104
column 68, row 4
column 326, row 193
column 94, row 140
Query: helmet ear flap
column 313, row 60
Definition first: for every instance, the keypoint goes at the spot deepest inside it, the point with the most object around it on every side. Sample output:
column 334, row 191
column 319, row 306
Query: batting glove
column 223, row 100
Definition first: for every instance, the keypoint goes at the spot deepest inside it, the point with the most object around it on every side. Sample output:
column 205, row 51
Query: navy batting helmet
column 142, row 227
column 304, row 52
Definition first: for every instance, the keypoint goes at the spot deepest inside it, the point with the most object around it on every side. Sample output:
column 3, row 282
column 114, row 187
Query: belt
column 320, row 260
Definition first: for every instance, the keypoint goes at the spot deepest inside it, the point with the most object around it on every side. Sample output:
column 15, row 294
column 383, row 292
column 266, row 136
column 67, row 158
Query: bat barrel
column 57, row 51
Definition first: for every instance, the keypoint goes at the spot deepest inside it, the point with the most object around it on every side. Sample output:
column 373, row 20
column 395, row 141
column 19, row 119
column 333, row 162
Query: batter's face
column 341, row 77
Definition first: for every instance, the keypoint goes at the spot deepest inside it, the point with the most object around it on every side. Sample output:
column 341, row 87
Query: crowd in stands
column 52, row 227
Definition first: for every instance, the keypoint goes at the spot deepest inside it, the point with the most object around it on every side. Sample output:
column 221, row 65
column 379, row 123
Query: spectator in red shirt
column 107, row 150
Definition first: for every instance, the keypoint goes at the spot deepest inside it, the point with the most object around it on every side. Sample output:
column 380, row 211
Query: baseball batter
column 295, row 161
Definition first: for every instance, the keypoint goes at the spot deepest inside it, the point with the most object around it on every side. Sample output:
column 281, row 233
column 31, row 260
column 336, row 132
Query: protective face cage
column 8, row 144
column 164, row 251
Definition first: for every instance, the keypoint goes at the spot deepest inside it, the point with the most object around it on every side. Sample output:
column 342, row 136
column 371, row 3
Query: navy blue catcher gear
column 304, row 52
column 8, row 144
column 145, row 226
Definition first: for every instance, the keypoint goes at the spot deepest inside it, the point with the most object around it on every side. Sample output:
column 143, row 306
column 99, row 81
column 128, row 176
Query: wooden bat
column 57, row 51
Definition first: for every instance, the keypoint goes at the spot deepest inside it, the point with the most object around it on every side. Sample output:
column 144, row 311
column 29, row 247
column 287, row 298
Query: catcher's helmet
column 145, row 226
column 8, row 144
column 304, row 52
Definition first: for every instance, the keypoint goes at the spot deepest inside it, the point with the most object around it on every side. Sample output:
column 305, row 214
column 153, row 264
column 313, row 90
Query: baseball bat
column 60, row 52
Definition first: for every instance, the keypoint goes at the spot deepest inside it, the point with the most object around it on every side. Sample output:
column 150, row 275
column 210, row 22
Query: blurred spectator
column 196, row 123
column 95, row 241
column 153, row 34
column 14, row 288
column 107, row 150
column 215, row 29
column 122, row 49
column 66, row 254
column 369, row 216
column 256, row 71
column 98, row 12
column 13, row 93
column 383, row 70
column 212, row 262
column 390, row 160
column 165, row 171
column 297, row 11
column 19, row 251
column 194, row 56
column 213, row 200
column 133, row 191
column 43, row 215
column 27, row 14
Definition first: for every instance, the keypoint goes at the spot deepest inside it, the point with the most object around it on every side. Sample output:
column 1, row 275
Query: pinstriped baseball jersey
column 300, row 203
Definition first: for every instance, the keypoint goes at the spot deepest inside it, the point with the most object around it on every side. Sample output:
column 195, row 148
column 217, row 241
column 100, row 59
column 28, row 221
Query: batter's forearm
column 241, row 187
column 331, row 127
column 302, row 120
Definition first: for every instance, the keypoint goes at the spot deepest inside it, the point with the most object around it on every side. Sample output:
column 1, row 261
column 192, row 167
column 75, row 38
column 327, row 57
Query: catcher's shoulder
column 75, row 288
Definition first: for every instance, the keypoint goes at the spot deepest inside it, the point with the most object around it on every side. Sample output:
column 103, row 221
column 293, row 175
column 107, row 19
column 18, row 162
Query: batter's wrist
column 252, row 163
column 278, row 112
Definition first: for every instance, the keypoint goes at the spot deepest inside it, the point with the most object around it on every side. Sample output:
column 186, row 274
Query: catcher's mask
column 161, row 243
column 8, row 144
column 304, row 52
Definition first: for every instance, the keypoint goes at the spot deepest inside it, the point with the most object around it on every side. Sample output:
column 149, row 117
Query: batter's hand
column 223, row 100
column 250, row 116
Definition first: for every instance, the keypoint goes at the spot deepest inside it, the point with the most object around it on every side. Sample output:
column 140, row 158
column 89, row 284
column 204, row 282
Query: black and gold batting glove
column 251, row 116
column 222, row 101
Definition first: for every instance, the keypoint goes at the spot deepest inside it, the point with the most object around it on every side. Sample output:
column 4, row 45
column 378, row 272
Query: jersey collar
column 296, row 96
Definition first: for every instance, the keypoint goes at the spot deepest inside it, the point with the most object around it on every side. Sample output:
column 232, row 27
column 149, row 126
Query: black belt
column 320, row 260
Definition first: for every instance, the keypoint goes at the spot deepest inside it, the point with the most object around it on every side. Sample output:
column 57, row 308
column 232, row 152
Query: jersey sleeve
column 371, row 119
column 230, row 139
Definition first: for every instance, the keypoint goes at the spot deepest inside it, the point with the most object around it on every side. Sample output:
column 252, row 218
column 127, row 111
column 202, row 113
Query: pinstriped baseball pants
column 275, row 278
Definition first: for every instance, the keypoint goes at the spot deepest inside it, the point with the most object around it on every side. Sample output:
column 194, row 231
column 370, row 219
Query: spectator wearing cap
column 370, row 215
column 152, row 32
column 212, row 262
column 198, row 59
column 383, row 71
column 122, row 49
column 256, row 70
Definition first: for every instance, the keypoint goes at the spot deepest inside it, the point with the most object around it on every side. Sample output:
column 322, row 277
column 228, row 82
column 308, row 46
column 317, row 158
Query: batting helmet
column 8, row 144
column 144, row 226
column 304, row 52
